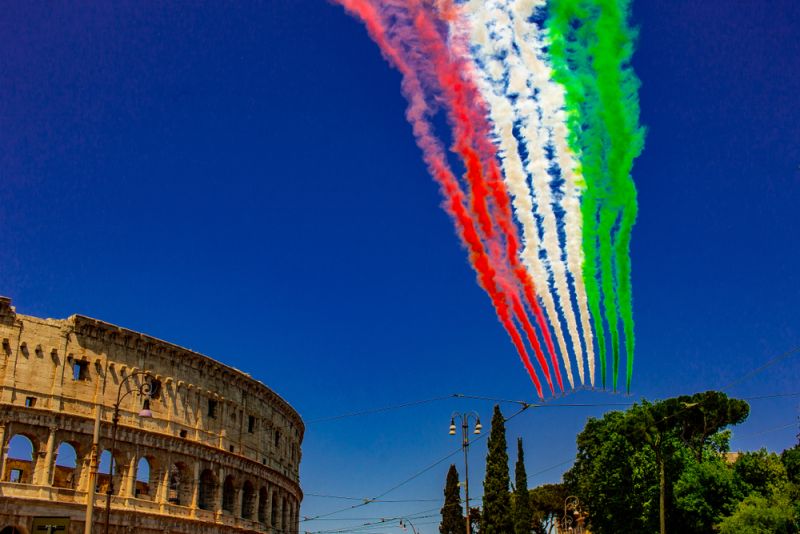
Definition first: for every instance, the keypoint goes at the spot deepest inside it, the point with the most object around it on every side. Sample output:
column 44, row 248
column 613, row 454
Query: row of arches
column 20, row 466
column 272, row 508
column 144, row 477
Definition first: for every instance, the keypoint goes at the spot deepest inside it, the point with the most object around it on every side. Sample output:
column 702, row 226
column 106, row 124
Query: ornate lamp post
column 464, row 417
column 572, row 504
column 403, row 522
column 148, row 388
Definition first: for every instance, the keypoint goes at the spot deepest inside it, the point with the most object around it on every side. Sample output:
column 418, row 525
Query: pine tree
column 523, row 514
column 453, row 521
column 496, row 517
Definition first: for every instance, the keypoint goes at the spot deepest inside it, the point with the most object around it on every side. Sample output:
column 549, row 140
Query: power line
column 539, row 404
column 409, row 479
column 769, row 363
column 379, row 410
column 380, row 522
column 377, row 497
column 342, row 497
column 524, row 406
column 775, row 396
column 546, row 469
column 775, row 429
column 459, row 396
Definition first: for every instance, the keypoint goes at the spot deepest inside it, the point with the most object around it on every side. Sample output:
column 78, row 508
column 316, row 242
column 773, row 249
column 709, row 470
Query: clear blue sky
column 240, row 179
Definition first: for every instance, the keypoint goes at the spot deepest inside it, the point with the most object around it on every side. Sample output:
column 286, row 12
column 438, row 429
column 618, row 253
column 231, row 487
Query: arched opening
column 65, row 472
column 180, row 487
column 248, row 500
column 19, row 463
column 262, row 505
column 11, row 530
column 284, row 514
column 208, row 490
column 103, row 470
column 229, row 495
column 141, row 488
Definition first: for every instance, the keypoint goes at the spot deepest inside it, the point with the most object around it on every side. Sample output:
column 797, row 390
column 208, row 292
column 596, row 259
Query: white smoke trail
column 530, row 41
column 491, row 34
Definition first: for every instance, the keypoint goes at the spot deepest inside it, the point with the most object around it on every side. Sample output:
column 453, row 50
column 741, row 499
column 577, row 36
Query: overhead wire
column 524, row 406
column 769, row 363
column 379, row 410
column 409, row 479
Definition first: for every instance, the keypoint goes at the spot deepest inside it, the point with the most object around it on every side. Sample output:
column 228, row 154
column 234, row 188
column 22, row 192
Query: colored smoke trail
column 544, row 119
column 467, row 117
column 591, row 47
column 504, row 116
column 528, row 41
column 510, row 68
column 418, row 113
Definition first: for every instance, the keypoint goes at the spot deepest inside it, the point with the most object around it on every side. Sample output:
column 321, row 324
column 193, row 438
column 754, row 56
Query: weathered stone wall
column 223, row 450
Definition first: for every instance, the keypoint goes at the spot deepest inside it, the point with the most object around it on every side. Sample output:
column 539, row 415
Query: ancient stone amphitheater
column 217, row 451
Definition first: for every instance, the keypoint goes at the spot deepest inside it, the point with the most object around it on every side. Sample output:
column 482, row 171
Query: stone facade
column 223, row 450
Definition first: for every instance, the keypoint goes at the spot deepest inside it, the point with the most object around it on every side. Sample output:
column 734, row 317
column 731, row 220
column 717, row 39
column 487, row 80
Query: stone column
column 3, row 449
column 163, row 491
column 222, row 419
column 130, row 483
column 46, row 471
column 268, row 511
column 274, row 509
column 195, row 488
column 284, row 512
column 220, row 492
column 239, row 501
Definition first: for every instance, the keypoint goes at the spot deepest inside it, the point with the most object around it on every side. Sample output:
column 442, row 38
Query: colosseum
column 199, row 447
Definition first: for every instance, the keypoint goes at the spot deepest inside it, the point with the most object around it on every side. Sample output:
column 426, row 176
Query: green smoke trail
column 572, row 68
column 591, row 50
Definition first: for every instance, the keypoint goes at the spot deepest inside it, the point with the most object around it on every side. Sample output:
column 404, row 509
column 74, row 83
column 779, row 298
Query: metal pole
column 90, row 491
column 110, row 491
column 465, row 446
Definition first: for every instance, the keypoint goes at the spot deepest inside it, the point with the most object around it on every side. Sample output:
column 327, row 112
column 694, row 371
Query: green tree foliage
column 689, row 420
column 453, row 521
column 704, row 493
column 615, row 481
column 547, row 506
column 760, row 471
column 627, row 464
column 496, row 515
column 791, row 462
column 762, row 515
column 523, row 520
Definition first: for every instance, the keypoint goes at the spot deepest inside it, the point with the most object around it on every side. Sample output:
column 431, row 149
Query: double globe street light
column 464, row 418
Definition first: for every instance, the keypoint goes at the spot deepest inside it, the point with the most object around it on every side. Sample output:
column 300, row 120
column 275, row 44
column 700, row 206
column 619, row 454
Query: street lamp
column 572, row 504
column 464, row 417
column 403, row 522
column 148, row 388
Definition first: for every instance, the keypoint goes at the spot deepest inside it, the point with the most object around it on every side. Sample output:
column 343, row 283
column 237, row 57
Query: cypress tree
column 453, row 521
column 496, row 516
column 523, row 514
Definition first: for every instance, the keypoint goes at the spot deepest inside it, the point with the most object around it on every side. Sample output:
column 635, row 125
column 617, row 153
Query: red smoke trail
column 454, row 197
column 468, row 116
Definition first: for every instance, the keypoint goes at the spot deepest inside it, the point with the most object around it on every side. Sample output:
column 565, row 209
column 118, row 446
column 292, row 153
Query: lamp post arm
column 143, row 389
